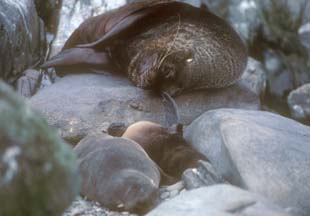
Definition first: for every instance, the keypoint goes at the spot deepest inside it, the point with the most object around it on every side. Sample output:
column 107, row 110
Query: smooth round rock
column 263, row 152
column 219, row 200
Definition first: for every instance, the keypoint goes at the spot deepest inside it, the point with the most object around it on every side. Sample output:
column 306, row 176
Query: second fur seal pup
column 165, row 146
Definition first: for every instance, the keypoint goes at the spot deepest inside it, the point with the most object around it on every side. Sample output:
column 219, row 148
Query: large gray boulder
column 38, row 175
column 260, row 151
column 79, row 104
column 22, row 39
column 219, row 200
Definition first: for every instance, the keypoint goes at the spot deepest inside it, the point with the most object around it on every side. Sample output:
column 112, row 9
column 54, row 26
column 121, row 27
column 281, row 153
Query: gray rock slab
column 219, row 200
column 79, row 104
column 260, row 151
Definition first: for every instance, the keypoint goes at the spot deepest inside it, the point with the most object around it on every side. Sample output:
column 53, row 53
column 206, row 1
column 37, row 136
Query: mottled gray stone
column 78, row 104
column 284, row 73
column 28, row 83
column 219, row 200
column 38, row 174
column 270, row 28
column 254, row 77
column 260, row 151
column 299, row 103
column 22, row 39
column 277, row 18
column 203, row 175
column 304, row 37
column 242, row 14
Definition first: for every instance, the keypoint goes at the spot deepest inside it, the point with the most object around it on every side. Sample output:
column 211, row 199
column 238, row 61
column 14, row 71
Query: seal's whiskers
column 168, row 52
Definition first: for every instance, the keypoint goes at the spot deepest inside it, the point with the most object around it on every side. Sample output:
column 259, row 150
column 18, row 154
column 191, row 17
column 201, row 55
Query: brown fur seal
column 117, row 173
column 165, row 146
column 160, row 44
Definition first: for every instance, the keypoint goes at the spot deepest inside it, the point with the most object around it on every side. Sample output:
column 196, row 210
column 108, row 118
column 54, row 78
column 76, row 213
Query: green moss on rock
column 38, row 174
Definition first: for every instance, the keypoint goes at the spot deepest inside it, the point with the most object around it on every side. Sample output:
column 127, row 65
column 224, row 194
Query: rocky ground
column 258, row 159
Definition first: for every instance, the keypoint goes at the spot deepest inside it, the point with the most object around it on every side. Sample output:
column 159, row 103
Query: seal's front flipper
column 80, row 59
column 119, row 29
column 78, row 56
column 137, row 21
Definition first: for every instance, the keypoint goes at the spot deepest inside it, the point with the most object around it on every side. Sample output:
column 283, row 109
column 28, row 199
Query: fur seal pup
column 165, row 146
column 161, row 45
column 117, row 173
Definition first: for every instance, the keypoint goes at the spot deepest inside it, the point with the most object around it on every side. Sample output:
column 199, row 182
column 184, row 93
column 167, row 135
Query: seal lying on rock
column 160, row 44
column 165, row 146
column 117, row 173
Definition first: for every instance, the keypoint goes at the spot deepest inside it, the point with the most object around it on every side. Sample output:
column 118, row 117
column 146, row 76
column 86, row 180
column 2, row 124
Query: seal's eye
column 189, row 60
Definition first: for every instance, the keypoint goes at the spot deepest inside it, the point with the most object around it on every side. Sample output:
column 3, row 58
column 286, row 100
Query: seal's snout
column 168, row 71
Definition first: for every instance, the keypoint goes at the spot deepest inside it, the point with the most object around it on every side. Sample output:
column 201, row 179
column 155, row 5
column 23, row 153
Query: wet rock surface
column 222, row 200
column 78, row 104
column 260, row 151
column 299, row 103
column 37, row 169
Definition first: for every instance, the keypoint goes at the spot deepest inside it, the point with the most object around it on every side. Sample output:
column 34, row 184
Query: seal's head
column 159, row 69
column 134, row 191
